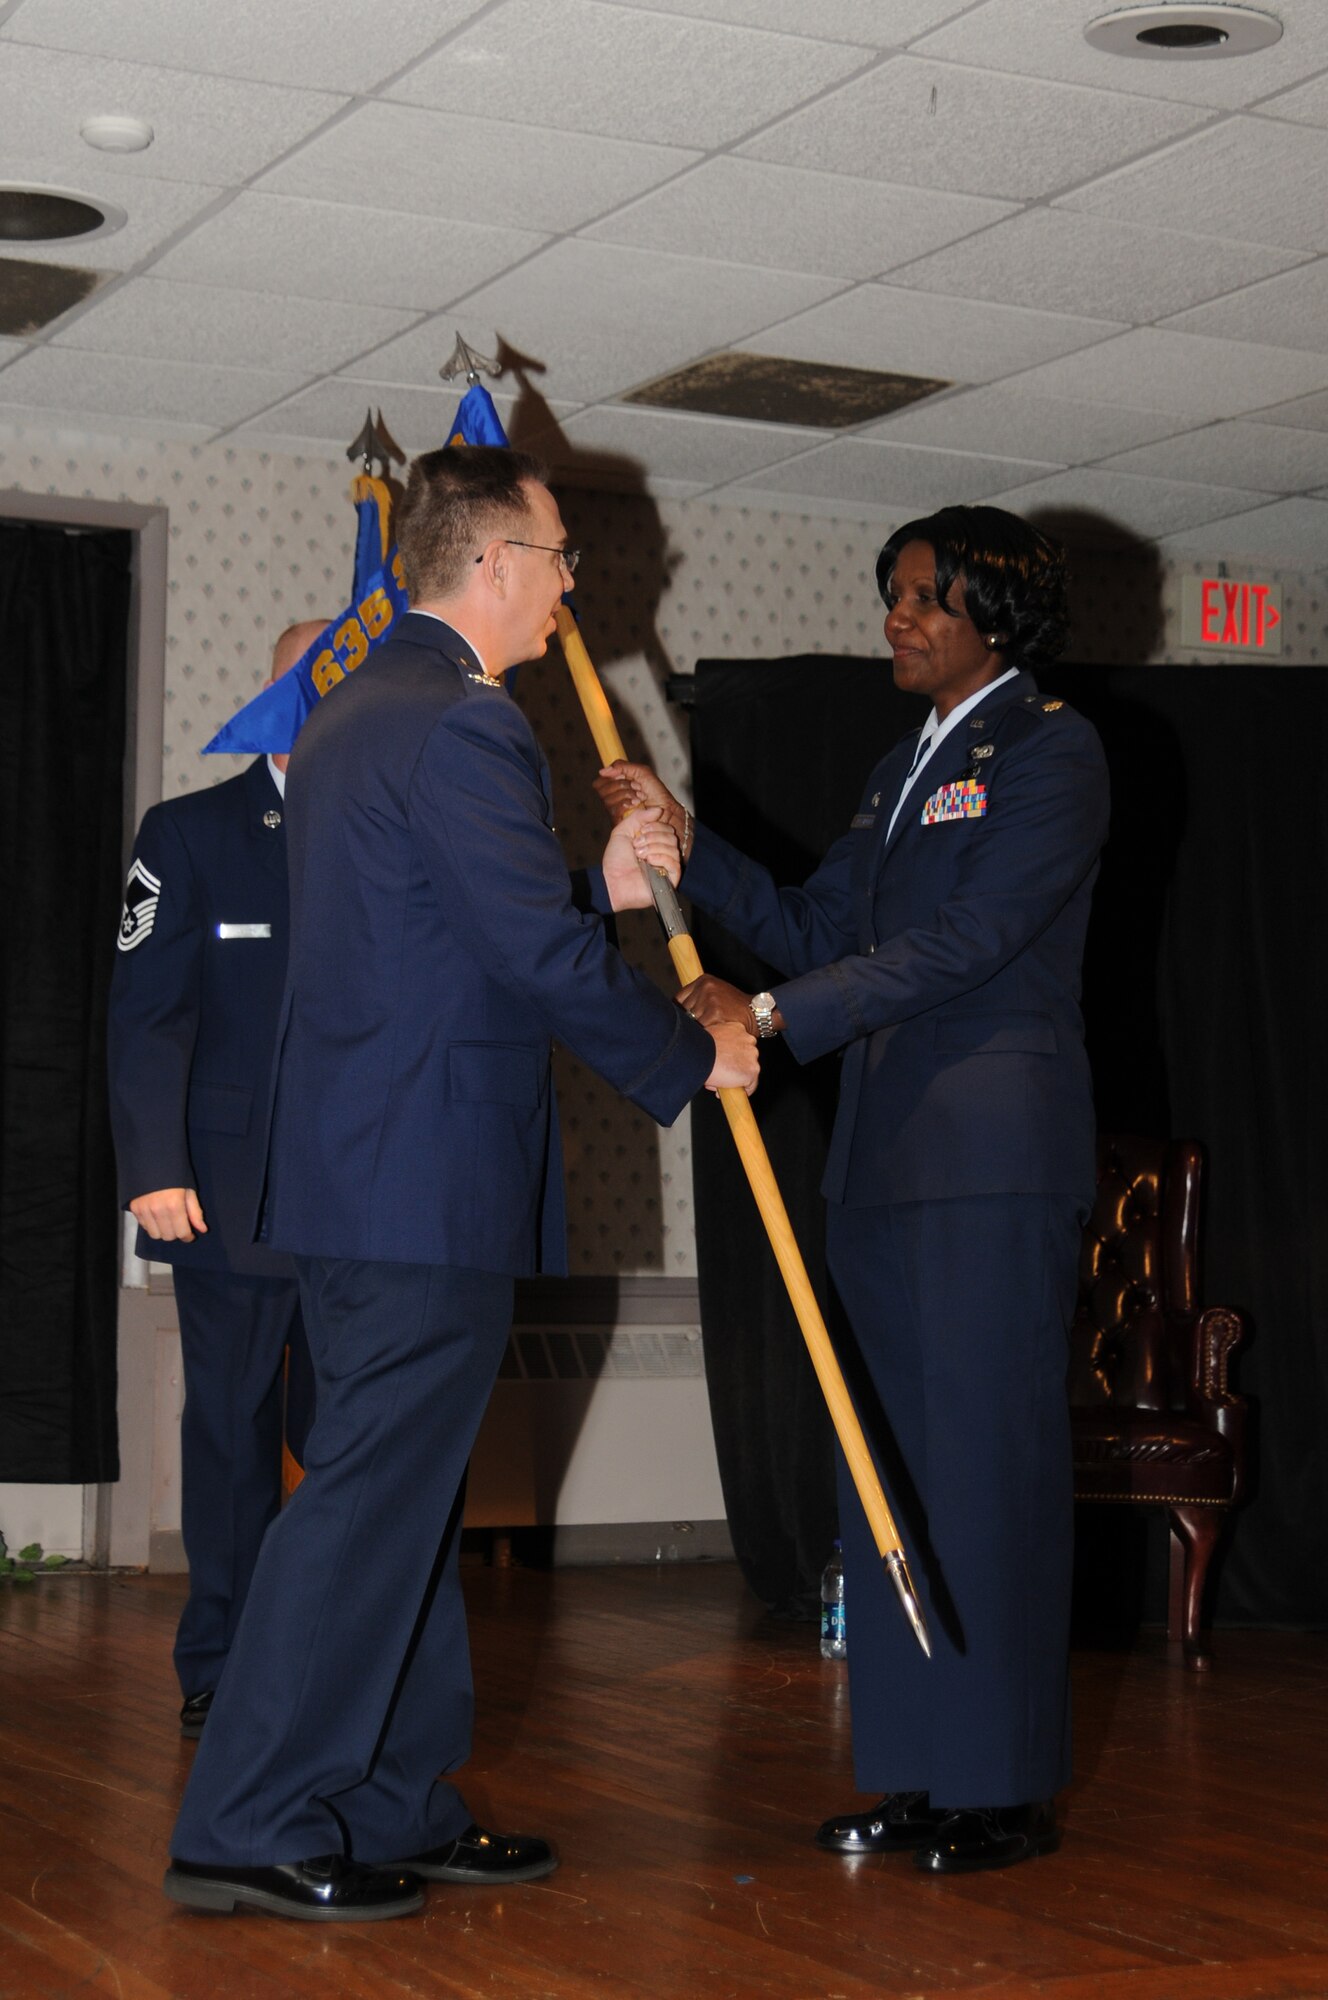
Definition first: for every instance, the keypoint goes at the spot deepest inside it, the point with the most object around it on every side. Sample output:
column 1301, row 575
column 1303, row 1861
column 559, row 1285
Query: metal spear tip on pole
column 373, row 443
column 465, row 360
column 896, row 1567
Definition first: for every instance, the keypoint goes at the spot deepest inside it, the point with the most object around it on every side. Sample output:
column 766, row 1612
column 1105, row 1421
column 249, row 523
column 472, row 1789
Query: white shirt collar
column 934, row 727
column 278, row 777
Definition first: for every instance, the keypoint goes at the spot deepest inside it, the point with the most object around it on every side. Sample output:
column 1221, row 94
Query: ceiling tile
column 207, row 128
column 1248, row 178
column 1307, row 413
column 1183, row 374
column 878, row 326
column 1004, row 425
column 1267, row 457
column 587, row 67
column 1030, row 38
column 651, row 314
column 1146, row 507
column 861, row 21
column 614, row 443
column 332, row 412
column 936, row 125
column 1293, row 309
column 227, row 329
column 434, row 163
column 154, row 211
column 1059, row 261
column 1290, row 533
column 745, row 211
column 120, row 387
column 321, row 44
column 1307, row 105
column 304, row 249
column 891, row 476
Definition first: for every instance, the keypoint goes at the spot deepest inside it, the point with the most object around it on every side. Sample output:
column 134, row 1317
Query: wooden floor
column 679, row 1747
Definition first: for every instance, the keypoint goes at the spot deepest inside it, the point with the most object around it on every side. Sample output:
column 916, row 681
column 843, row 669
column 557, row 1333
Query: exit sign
column 1220, row 616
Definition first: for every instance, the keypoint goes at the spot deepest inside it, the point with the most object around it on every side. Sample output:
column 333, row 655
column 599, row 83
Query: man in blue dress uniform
column 939, row 946
column 436, row 946
column 195, row 997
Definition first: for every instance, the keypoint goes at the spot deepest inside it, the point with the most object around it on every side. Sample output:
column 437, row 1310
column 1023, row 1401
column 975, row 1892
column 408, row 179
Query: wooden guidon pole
column 761, row 1176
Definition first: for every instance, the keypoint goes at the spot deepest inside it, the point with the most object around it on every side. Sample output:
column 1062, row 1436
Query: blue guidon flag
column 270, row 723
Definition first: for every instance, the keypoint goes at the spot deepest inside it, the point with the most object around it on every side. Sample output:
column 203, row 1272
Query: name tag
column 967, row 799
column 244, row 930
column 861, row 820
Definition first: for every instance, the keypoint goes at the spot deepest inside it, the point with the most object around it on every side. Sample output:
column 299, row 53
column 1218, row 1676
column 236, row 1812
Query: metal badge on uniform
column 983, row 750
column 876, row 798
column 272, row 819
column 142, row 892
column 1050, row 707
column 966, row 799
column 244, row 930
column 860, row 820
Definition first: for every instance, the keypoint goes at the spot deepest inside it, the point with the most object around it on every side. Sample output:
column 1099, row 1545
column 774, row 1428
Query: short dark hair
column 457, row 500
column 1015, row 577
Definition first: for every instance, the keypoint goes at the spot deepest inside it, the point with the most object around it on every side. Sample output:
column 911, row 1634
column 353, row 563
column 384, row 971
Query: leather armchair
column 1153, row 1418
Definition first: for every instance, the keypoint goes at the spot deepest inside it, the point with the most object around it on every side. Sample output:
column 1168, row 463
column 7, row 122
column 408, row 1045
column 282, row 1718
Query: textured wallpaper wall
column 257, row 541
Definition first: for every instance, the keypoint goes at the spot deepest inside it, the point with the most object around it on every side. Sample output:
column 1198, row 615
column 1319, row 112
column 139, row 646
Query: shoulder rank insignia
column 142, row 892
column 1050, row 707
column 965, row 799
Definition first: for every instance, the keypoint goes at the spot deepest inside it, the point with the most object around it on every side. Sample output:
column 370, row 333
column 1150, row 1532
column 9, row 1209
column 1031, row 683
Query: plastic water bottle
column 834, row 1643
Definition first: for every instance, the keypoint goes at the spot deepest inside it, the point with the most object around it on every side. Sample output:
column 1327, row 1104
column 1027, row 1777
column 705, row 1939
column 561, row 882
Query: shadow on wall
column 615, row 1186
column 1117, row 615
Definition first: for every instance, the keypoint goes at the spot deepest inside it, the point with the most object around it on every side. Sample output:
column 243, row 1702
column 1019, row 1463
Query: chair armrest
column 1215, row 1335
column 1218, row 1332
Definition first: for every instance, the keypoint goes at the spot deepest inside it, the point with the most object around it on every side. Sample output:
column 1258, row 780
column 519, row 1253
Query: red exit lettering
column 1236, row 614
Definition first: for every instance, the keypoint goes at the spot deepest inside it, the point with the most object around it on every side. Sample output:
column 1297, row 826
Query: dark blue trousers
column 233, row 1337
column 960, row 1310
column 348, row 1688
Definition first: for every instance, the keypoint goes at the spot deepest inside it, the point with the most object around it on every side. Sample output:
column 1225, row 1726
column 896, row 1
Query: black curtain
column 1203, row 1001
column 780, row 750
column 64, row 606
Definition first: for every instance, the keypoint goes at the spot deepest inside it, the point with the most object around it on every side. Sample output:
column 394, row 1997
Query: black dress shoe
column 479, row 1858
column 900, row 1821
column 328, row 1890
column 195, row 1713
column 990, row 1837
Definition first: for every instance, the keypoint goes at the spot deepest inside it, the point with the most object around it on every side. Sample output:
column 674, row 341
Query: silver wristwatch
column 763, row 1013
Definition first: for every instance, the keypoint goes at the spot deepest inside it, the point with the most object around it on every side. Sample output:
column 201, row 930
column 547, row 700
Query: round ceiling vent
column 1175, row 32
column 51, row 215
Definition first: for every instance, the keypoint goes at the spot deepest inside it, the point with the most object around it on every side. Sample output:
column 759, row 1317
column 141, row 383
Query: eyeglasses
column 568, row 558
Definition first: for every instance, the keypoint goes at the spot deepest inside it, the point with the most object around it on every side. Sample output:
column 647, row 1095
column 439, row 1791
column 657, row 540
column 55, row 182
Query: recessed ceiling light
column 53, row 215
column 112, row 133
column 1175, row 32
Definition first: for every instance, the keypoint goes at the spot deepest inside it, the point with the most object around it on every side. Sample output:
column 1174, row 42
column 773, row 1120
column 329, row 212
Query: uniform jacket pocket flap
column 996, row 1034
column 485, row 1073
column 220, row 1107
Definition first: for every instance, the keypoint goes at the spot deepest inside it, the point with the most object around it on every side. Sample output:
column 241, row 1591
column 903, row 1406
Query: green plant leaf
column 21, row 1576
column 32, row 1553
column 54, row 1562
